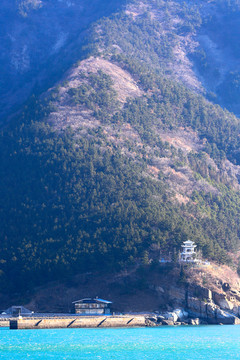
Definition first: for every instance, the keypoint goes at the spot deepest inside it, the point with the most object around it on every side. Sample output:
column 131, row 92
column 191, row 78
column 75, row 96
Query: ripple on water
column 181, row 343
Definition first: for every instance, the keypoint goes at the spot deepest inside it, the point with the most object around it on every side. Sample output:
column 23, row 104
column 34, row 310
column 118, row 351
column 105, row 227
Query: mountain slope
column 40, row 39
column 122, row 159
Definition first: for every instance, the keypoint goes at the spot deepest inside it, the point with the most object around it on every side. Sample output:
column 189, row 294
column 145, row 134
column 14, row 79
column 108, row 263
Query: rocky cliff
column 219, row 302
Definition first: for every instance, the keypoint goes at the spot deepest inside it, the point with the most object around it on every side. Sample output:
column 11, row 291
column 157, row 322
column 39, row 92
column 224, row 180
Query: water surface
column 178, row 343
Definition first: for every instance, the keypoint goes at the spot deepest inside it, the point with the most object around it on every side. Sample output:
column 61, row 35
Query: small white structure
column 188, row 254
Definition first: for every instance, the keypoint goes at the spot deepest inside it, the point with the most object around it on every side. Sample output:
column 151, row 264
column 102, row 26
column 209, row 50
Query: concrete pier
column 79, row 322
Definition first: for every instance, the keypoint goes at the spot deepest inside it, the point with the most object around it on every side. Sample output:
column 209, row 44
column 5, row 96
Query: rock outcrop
column 202, row 303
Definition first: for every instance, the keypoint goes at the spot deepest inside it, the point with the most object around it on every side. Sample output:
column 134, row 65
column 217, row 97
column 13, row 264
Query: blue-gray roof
column 103, row 301
column 89, row 300
column 22, row 309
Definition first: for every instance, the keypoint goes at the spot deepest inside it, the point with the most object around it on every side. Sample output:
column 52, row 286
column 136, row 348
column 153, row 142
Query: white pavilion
column 188, row 254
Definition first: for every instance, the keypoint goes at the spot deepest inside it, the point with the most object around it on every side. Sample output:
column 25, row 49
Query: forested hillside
column 125, row 156
column 40, row 39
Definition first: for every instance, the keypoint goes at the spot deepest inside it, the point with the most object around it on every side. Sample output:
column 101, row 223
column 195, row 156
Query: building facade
column 188, row 253
column 89, row 306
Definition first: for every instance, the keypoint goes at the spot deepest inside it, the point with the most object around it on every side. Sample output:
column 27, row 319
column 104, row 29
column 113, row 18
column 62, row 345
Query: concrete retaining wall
column 79, row 322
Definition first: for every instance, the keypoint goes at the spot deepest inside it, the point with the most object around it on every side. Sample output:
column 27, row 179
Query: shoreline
column 100, row 321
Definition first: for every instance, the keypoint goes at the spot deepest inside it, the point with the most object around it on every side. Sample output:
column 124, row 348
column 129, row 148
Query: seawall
column 4, row 323
column 79, row 322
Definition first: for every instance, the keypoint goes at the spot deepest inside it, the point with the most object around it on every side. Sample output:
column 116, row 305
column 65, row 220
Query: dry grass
column 123, row 83
column 214, row 275
column 69, row 114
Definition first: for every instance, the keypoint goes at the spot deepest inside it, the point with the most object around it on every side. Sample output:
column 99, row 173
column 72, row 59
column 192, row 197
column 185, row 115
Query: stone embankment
column 79, row 322
column 4, row 323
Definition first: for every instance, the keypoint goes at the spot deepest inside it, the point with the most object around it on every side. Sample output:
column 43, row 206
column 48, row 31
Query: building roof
column 90, row 300
column 13, row 308
column 103, row 301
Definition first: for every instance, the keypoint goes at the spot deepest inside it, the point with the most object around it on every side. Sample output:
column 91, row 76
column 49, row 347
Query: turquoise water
column 178, row 343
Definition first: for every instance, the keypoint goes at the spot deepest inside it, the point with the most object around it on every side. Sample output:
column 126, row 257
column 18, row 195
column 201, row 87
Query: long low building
column 89, row 306
column 17, row 311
